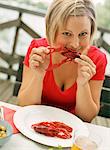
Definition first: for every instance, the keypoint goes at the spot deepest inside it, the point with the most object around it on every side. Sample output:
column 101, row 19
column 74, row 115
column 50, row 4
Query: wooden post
column 15, row 39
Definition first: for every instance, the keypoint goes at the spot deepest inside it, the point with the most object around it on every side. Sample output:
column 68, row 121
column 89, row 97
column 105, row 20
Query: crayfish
column 69, row 53
column 53, row 129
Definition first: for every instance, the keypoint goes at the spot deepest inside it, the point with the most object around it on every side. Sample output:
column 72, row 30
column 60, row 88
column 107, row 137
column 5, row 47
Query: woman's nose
column 74, row 43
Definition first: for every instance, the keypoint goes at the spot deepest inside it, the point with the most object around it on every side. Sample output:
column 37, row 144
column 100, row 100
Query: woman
column 75, row 85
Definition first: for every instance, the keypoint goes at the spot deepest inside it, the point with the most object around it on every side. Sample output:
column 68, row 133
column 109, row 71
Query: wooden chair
column 105, row 98
column 18, row 77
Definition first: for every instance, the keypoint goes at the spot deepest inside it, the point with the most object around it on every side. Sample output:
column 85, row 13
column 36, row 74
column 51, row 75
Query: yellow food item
column 75, row 147
column 2, row 131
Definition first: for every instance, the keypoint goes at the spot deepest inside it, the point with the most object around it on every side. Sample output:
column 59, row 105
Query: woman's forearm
column 85, row 108
column 32, row 92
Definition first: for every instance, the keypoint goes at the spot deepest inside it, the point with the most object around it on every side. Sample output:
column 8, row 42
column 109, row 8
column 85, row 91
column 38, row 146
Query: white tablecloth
column 20, row 142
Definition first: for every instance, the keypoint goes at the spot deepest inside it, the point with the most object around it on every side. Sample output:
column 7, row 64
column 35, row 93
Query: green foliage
column 41, row 5
column 103, row 14
column 57, row 148
column 35, row 4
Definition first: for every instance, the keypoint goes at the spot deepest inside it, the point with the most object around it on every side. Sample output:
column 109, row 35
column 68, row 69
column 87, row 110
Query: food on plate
column 53, row 129
column 2, row 132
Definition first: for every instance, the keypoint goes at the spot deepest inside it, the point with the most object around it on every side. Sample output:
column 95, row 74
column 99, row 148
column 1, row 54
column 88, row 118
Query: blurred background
column 36, row 21
column 23, row 20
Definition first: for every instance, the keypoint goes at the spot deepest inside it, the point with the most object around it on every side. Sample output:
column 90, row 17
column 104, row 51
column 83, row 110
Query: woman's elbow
column 20, row 101
column 91, row 116
column 25, row 101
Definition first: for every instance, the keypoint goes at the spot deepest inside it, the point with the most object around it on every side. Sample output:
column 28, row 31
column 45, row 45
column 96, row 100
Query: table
column 20, row 142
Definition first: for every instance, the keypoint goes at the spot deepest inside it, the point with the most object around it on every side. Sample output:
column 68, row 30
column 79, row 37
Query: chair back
column 105, row 98
column 18, row 77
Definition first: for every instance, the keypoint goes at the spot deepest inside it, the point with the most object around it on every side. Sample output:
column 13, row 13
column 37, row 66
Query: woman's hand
column 86, row 69
column 39, row 60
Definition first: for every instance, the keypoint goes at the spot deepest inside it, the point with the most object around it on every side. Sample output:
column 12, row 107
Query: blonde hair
column 60, row 10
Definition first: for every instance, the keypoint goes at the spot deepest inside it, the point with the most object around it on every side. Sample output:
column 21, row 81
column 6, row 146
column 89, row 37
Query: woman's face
column 76, row 34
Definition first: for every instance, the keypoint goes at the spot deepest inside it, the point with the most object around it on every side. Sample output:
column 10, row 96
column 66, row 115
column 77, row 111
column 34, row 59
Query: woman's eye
column 66, row 33
column 83, row 34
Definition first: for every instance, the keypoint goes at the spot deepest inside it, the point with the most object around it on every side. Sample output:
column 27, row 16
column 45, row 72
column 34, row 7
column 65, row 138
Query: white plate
column 28, row 115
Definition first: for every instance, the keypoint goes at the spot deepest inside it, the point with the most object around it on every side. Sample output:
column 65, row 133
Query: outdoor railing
column 13, row 58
